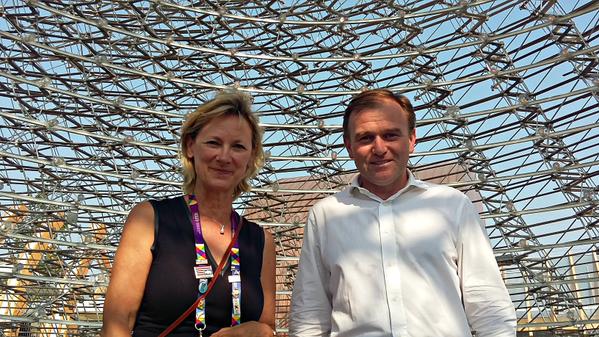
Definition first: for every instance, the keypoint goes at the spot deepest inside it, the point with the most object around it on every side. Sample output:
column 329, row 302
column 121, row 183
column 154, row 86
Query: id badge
column 203, row 271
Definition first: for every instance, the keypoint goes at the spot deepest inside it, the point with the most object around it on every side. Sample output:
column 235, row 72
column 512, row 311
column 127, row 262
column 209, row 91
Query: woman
column 170, row 248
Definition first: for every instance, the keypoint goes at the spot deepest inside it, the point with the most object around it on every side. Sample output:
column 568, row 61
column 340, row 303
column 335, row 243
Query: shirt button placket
column 392, row 276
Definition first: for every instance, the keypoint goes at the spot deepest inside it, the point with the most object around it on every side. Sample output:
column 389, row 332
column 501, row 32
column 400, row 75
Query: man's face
column 379, row 142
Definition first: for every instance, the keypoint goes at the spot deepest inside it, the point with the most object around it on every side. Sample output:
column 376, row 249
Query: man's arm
column 487, row 302
column 311, row 302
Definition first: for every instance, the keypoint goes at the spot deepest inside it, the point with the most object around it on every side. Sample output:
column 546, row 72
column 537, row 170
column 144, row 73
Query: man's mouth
column 380, row 162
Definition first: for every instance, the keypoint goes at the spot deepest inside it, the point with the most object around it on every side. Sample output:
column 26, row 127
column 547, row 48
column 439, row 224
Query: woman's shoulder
column 166, row 201
column 251, row 226
column 141, row 211
column 254, row 231
column 147, row 210
column 250, row 223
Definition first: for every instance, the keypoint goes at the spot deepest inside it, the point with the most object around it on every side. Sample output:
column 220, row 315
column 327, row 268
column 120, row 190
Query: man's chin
column 382, row 173
column 380, row 181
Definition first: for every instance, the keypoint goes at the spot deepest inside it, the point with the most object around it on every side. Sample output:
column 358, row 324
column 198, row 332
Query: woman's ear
column 189, row 147
column 250, row 164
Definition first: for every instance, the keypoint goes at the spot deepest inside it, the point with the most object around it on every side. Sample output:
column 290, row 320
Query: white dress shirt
column 416, row 264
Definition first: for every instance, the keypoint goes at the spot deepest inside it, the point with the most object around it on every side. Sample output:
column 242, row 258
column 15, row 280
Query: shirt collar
column 354, row 186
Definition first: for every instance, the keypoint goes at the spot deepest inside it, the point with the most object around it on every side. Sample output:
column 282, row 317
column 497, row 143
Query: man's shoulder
column 441, row 190
column 334, row 200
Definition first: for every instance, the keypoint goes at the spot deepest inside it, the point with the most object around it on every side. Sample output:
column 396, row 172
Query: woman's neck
column 215, row 205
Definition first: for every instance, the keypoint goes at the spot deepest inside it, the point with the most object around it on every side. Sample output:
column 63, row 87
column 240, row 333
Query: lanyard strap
column 203, row 270
column 221, row 265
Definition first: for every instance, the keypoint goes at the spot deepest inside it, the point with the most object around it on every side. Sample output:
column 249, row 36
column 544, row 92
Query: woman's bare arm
column 129, row 272
column 267, row 278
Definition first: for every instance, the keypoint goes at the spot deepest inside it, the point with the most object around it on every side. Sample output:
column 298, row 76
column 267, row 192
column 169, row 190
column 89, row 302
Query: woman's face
column 221, row 153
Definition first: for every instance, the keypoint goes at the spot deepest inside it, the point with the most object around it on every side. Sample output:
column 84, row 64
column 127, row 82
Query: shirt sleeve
column 310, row 302
column 487, row 303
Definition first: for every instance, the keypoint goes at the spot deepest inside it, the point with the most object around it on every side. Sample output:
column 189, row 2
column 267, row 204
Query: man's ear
column 412, row 140
column 347, row 143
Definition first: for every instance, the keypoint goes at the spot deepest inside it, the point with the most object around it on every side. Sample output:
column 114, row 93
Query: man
column 391, row 255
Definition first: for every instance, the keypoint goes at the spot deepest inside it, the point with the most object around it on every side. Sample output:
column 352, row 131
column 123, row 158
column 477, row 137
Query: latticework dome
column 92, row 96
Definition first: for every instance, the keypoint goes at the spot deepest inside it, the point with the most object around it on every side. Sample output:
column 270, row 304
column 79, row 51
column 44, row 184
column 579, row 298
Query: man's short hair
column 371, row 99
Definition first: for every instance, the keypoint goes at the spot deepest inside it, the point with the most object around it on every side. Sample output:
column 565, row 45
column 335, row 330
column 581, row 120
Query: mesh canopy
column 93, row 94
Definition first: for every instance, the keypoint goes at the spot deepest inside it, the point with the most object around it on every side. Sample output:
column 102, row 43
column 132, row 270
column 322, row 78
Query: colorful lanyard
column 203, row 270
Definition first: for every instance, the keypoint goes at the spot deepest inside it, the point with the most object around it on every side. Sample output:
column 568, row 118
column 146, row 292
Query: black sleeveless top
column 171, row 286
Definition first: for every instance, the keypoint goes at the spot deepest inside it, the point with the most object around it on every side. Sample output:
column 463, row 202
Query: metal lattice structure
column 92, row 95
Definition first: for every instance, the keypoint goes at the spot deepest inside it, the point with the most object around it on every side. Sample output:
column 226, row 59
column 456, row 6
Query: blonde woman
column 170, row 249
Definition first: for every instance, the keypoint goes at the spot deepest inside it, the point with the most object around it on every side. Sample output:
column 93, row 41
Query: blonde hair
column 224, row 104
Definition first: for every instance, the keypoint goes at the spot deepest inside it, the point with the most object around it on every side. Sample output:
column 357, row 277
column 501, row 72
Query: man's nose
column 379, row 146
